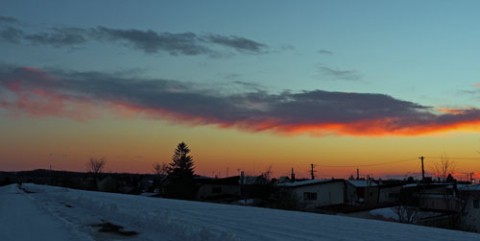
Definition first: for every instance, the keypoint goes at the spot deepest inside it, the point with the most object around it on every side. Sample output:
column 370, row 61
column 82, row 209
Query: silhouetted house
column 219, row 189
column 147, row 183
column 107, row 184
column 233, row 188
column 317, row 193
column 470, row 219
column 389, row 192
column 7, row 178
column 441, row 197
column 362, row 192
column 129, row 183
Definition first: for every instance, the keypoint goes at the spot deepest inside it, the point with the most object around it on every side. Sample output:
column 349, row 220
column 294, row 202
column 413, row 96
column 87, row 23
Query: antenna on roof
column 312, row 171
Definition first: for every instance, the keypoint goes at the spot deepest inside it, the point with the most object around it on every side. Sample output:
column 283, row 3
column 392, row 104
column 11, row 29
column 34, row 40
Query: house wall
column 389, row 194
column 211, row 190
column 371, row 195
column 362, row 195
column 440, row 202
column 326, row 194
column 470, row 220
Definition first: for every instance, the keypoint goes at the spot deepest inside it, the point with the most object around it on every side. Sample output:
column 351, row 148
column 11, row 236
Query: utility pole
column 312, row 170
column 51, row 176
column 242, row 187
column 423, row 168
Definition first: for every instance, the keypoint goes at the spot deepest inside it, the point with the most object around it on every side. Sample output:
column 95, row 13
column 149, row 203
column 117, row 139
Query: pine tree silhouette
column 180, row 174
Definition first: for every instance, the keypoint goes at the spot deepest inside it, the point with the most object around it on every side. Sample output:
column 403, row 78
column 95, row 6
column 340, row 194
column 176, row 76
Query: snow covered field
column 53, row 213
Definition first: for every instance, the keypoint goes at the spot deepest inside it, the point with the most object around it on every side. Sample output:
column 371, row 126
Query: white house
column 362, row 192
column 471, row 215
column 218, row 189
column 317, row 193
column 389, row 193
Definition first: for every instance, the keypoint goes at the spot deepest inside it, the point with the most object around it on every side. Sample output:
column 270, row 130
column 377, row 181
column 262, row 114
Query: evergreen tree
column 182, row 162
column 180, row 174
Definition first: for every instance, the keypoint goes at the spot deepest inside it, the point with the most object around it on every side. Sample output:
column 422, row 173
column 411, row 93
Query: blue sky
column 320, row 68
column 417, row 51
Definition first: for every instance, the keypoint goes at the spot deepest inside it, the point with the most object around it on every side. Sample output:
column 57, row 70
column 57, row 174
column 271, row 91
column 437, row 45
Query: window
column 309, row 196
column 393, row 195
column 476, row 203
column 216, row 189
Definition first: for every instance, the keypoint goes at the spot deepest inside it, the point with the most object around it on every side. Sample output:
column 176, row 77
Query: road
column 24, row 219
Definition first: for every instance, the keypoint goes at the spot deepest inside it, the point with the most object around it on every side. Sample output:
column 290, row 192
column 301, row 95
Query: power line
column 454, row 158
column 371, row 164
column 399, row 161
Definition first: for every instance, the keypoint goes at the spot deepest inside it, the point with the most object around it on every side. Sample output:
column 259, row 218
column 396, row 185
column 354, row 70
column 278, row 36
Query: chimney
column 358, row 174
column 242, row 178
column 292, row 176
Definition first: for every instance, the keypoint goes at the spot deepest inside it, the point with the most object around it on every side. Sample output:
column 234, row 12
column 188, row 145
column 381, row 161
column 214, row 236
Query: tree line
column 179, row 182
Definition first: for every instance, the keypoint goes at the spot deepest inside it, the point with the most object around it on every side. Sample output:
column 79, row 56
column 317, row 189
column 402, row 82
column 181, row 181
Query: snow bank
column 165, row 219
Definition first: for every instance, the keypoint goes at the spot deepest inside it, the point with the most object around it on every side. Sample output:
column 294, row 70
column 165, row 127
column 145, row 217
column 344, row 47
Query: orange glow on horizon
column 146, row 135
column 134, row 146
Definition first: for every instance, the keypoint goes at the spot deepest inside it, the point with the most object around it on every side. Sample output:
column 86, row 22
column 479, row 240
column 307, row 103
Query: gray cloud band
column 147, row 41
column 356, row 113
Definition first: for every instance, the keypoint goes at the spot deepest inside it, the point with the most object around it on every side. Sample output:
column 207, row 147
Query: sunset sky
column 247, row 85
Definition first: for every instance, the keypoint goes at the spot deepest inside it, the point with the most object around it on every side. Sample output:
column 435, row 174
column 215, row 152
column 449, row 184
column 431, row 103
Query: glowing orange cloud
column 38, row 101
column 82, row 96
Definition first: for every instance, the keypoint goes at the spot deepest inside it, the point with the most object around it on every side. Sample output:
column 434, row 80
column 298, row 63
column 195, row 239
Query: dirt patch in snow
column 108, row 227
column 26, row 190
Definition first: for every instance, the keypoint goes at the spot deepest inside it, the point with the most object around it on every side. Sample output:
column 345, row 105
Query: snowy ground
column 53, row 213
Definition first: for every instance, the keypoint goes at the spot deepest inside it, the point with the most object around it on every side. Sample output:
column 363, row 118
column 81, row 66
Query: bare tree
column 160, row 169
column 444, row 167
column 96, row 166
column 267, row 173
column 406, row 214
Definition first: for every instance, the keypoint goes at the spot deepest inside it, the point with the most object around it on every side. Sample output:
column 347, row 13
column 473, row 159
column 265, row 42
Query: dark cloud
column 237, row 43
column 147, row 41
column 59, row 37
column 341, row 74
column 249, row 86
column 325, row 52
column 288, row 47
column 8, row 20
column 153, row 42
column 313, row 111
column 11, row 35
column 473, row 92
column 8, row 30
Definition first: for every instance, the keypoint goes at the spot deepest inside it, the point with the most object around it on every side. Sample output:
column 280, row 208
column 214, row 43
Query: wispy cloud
column 325, row 52
column 341, row 74
column 81, row 95
column 147, row 41
column 11, row 35
column 9, row 32
column 8, row 20
column 59, row 37
column 152, row 42
column 237, row 43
